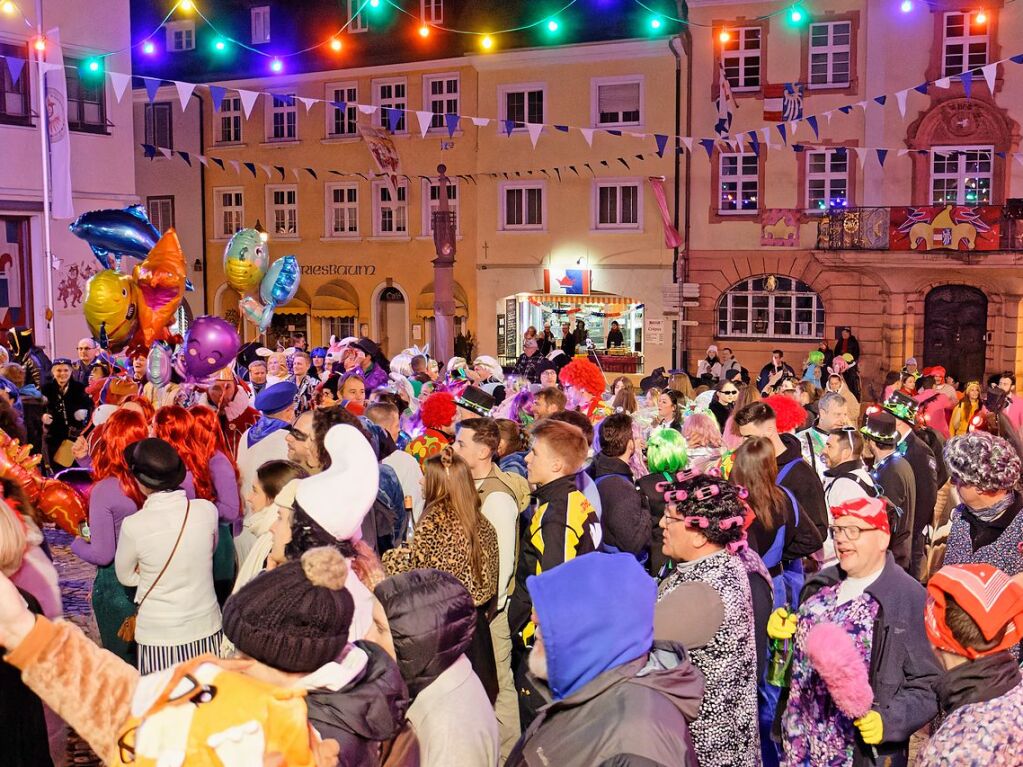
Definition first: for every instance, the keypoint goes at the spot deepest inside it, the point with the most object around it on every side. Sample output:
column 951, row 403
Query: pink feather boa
column 834, row 656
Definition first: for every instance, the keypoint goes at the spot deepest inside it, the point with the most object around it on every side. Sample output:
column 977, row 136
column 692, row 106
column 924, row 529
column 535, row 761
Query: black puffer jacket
column 432, row 621
column 364, row 713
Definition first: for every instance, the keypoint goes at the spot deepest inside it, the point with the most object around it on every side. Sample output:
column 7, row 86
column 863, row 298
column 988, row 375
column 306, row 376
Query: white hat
column 491, row 364
column 102, row 413
column 712, row 348
column 339, row 498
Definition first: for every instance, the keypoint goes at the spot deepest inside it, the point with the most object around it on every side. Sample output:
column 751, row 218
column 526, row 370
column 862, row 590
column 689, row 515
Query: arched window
column 770, row 306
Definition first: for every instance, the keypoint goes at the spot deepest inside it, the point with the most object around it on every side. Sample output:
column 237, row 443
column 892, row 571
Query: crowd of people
column 325, row 557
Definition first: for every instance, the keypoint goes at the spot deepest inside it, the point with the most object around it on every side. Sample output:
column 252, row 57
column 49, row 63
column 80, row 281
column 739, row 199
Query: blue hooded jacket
column 596, row 612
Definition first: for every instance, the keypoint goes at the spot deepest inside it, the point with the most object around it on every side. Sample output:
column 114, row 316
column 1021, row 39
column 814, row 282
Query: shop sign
column 654, row 335
column 336, row 270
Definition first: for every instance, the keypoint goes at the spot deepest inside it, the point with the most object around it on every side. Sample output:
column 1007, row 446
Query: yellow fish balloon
column 246, row 259
column 112, row 306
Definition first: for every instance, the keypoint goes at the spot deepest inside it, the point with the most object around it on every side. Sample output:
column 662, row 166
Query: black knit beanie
column 296, row 617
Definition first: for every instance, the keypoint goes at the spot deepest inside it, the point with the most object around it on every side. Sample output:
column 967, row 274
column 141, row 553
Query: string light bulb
column 724, row 36
column 906, row 6
column 92, row 65
column 424, row 30
column 552, row 25
column 335, row 44
column 8, row 7
column 186, row 5
column 796, row 15
column 981, row 17
column 655, row 23
column 220, row 45
column 276, row 65
column 40, row 44
column 374, row 3
column 487, row 42
column 148, row 48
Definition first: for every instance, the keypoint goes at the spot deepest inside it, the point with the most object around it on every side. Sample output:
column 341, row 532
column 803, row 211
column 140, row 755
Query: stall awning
column 335, row 299
column 298, row 305
column 604, row 299
column 424, row 304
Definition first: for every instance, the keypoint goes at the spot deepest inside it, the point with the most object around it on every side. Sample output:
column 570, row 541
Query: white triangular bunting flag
column 268, row 171
column 903, row 152
column 203, row 159
column 480, row 122
column 184, row 93
column 990, row 72
column 688, row 142
column 367, row 109
column 862, row 105
column 900, row 96
column 236, row 165
column 248, row 101
column 636, row 135
column 828, row 115
column 307, row 103
column 119, row 81
column 793, row 127
column 588, row 135
column 1018, row 156
column 766, row 133
column 534, row 132
column 944, row 82
column 861, row 154
column 168, row 153
column 424, row 118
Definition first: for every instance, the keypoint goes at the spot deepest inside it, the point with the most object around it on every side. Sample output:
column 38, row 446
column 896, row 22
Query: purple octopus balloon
column 211, row 344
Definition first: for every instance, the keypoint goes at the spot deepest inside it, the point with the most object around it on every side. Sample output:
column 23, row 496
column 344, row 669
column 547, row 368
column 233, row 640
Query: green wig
column 816, row 357
column 666, row 450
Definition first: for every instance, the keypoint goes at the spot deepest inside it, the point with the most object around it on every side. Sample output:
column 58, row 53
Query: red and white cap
column 871, row 510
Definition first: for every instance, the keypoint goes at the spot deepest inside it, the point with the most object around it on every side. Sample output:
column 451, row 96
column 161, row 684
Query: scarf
column 978, row 681
column 991, row 513
column 263, row 428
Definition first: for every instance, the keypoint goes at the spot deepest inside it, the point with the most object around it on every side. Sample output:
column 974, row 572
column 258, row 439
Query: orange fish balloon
column 161, row 285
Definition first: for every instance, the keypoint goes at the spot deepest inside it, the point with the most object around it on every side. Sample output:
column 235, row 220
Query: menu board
column 511, row 327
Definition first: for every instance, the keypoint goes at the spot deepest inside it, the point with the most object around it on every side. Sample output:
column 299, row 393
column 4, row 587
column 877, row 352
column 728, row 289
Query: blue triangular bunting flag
column 783, row 132
column 152, row 86
column 662, row 142
column 622, row 161
column 798, row 148
column 922, row 88
column 218, row 161
column 1017, row 59
column 558, row 171
column 562, row 128
column 846, row 109
column 14, row 66
column 280, row 170
column 251, row 166
column 812, row 122
column 312, row 173
column 882, row 154
column 755, row 146
column 840, row 151
column 186, row 157
column 340, row 105
column 509, row 126
column 967, row 78
column 615, row 132
column 217, row 93
column 708, row 144
column 393, row 118
column 880, row 99
column 451, row 121
column 149, row 151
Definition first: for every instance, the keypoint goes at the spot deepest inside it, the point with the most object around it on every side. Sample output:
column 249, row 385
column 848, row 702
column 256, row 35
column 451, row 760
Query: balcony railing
column 934, row 228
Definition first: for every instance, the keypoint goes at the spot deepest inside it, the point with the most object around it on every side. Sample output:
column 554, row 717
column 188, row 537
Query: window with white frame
column 523, row 206
column 161, row 212
column 282, row 210
column 283, row 117
column 159, row 131
column 342, row 210
column 356, row 20
column 617, row 204
column 343, row 121
column 739, row 183
column 230, row 211
column 431, row 202
column 962, row 175
column 391, row 93
column 260, row 17
column 827, row 179
column 390, row 210
column 180, row 36
column 830, row 54
column 339, row 327
column 771, row 306
column 617, row 102
column 741, row 57
column 521, row 104
column 440, row 96
column 431, row 11
column 965, row 43
column 230, row 128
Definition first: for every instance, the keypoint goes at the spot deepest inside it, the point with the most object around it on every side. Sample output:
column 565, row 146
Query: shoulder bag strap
column 181, row 532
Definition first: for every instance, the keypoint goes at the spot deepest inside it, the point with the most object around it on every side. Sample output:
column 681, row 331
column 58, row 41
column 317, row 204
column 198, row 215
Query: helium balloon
column 111, row 306
column 161, row 284
column 251, row 310
column 211, row 343
column 116, row 233
column 158, row 364
column 246, row 258
column 59, row 501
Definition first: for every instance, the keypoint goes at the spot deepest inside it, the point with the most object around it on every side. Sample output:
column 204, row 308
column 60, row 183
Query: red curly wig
column 147, row 407
column 123, row 428
column 789, row 415
column 209, row 437
column 584, row 375
column 438, row 410
column 176, row 426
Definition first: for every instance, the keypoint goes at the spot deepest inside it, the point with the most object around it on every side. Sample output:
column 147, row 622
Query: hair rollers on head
column 708, row 492
column 701, row 522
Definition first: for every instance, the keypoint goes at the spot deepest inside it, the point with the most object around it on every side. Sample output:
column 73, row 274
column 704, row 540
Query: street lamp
column 444, row 233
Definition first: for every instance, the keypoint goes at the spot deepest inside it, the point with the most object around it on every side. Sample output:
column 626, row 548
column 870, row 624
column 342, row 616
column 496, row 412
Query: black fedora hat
column 155, row 464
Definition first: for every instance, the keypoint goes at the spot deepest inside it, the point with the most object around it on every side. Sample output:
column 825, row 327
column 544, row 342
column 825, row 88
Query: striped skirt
column 153, row 658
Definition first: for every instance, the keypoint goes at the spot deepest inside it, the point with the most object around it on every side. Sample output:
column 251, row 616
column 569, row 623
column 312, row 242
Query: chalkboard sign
column 500, row 335
column 511, row 327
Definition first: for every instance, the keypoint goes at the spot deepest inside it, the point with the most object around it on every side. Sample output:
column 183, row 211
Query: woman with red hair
column 215, row 455
column 115, row 497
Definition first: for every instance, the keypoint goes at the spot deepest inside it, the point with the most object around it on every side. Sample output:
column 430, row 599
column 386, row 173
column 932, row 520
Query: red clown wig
column 583, row 375
column 123, row 428
column 176, row 426
column 789, row 415
column 438, row 410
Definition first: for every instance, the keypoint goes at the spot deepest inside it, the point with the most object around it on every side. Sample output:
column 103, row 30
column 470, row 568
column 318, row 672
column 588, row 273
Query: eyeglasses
column 848, row 532
column 730, row 392
column 297, row 434
column 84, row 348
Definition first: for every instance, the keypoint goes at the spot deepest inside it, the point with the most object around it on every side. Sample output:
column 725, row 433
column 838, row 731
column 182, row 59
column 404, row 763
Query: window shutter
column 619, row 98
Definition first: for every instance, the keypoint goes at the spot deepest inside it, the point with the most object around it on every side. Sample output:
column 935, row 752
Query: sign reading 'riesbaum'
column 367, row 270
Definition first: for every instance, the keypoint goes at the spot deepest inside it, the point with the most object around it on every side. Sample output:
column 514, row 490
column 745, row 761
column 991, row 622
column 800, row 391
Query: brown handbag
column 127, row 631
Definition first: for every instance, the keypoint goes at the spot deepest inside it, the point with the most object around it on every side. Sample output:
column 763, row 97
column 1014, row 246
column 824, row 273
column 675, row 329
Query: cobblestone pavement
column 76, row 586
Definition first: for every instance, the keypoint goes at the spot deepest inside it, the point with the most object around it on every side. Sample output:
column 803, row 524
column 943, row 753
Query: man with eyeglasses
column 87, row 350
column 881, row 608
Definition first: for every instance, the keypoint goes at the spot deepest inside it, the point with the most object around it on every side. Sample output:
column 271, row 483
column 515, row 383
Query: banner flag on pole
column 59, row 135
column 672, row 239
